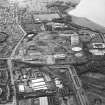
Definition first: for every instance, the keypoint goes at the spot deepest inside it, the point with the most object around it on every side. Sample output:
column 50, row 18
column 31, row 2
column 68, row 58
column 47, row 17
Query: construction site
column 48, row 59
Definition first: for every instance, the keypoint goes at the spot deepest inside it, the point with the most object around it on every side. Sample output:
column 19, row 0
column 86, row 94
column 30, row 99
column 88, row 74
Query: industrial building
column 48, row 59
